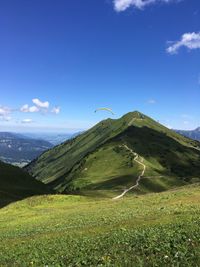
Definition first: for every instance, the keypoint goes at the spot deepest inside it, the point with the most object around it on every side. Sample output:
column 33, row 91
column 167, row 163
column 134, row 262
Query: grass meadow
column 157, row 229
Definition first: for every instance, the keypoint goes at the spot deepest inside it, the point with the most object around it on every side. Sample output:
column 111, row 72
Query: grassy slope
column 150, row 230
column 93, row 160
column 15, row 184
column 169, row 163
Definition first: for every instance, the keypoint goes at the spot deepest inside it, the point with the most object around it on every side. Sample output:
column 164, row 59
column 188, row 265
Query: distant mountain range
column 193, row 134
column 53, row 138
column 19, row 150
column 111, row 155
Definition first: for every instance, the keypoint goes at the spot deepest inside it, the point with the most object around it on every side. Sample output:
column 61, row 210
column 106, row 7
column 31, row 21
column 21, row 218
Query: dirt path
column 134, row 119
column 139, row 177
column 195, row 148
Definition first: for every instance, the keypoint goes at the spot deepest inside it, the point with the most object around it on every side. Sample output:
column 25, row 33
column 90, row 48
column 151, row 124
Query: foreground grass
column 153, row 230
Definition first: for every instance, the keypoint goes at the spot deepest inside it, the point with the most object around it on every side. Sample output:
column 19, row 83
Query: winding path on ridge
column 136, row 156
column 197, row 148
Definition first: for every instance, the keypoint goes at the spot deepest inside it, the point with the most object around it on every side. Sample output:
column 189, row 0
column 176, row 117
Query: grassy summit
column 97, row 159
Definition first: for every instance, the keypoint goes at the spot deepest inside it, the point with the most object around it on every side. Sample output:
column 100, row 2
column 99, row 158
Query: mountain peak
column 133, row 116
column 102, row 146
column 136, row 114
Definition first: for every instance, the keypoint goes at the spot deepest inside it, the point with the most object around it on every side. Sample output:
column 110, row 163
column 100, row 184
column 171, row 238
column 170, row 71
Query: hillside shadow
column 7, row 198
column 179, row 162
column 177, row 159
column 155, row 185
column 118, row 182
column 16, row 184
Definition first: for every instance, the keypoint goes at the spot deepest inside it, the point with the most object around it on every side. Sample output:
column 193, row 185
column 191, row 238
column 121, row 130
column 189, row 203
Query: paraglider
column 105, row 109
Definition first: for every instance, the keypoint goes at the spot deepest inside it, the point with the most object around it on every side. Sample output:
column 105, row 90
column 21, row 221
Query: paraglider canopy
column 105, row 109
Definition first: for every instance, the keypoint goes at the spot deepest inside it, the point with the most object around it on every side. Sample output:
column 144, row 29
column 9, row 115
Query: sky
column 61, row 60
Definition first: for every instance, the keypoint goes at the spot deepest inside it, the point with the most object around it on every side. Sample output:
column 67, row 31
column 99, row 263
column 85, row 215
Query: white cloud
column 40, row 104
column 56, row 110
column 152, row 101
column 27, row 121
column 34, row 109
column 122, row 5
column 25, row 108
column 188, row 40
column 4, row 113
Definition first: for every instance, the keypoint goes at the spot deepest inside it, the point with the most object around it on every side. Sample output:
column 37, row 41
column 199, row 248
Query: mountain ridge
column 83, row 162
column 192, row 134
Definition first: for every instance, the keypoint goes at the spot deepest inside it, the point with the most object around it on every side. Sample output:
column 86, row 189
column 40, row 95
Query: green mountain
column 111, row 156
column 15, row 184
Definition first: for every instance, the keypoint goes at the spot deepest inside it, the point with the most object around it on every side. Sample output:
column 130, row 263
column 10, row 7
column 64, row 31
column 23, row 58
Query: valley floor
column 158, row 229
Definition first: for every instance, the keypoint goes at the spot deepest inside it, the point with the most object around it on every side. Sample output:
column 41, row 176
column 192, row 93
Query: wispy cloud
column 151, row 101
column 56, row 110
column 188, row 40
column 27, row 121
column 37, row 106
column 5, row 113
column 186, row 116
column 25, row 108
column 122, row 5
column 40, row 104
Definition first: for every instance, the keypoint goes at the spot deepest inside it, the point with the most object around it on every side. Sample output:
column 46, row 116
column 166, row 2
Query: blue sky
column 60, row 60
